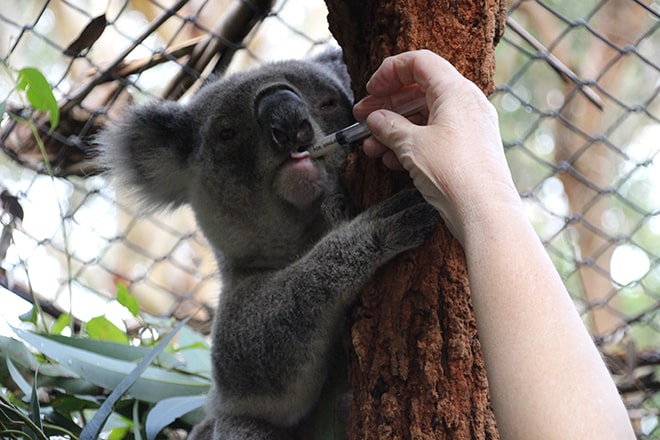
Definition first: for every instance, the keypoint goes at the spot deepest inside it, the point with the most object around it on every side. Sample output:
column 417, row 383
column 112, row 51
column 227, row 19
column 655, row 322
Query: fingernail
column 376, row 119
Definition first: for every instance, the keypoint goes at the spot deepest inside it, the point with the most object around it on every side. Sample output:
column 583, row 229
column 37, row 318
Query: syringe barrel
column 359, row 130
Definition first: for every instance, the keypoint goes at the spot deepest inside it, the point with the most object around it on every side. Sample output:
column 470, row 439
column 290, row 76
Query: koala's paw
column 335, row 209
column 202, row 431
column 402, row 222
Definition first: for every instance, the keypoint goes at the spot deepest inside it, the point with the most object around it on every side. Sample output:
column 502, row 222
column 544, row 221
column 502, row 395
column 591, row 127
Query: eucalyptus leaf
column 50, row 375
column 73, row 386
column 117, row 350
column 127, row 300
column 61, row 323
column 31, row 316
column 136, row 421
column 155, row 383
column 18, row 379
column 23, row 358
column 67, row 403
column 94, row 426
column 168, row 410
column 35, row 409
column 101, row 328
column 195, row 352
column 118, row 433
column 59, row 425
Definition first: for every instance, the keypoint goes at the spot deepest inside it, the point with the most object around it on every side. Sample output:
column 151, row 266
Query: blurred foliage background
column 577, row 92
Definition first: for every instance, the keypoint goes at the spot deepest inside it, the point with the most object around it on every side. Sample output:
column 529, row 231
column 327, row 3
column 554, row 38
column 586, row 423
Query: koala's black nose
column 284, row 116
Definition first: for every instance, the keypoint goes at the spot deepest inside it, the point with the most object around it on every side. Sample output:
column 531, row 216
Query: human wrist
column 479, row 219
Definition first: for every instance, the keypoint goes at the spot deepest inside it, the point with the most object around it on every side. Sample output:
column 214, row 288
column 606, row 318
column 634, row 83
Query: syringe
column 359, row 130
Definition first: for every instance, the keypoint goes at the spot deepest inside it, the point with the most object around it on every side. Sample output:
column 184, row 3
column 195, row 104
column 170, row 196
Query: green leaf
column 153, row 385
column 195, row 352
column 17, row 421
column 61, row 323
column 23, row 359
column 18, row 379
column 168, row 410
column 31, row 316
column 50, row 375
column 115, row 350
column 127, row 300
column 39, row 93
column 93, row 428
column 118, row 433
column 102, row 329
column 3, row 107
column 35, row 409
column 66, row 403
column 136, row 421
column 59, row 426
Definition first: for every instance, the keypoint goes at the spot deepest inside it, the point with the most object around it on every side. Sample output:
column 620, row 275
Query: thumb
column 392, row 130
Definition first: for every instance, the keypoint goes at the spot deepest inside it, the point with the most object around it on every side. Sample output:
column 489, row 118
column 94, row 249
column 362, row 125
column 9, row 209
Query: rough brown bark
column 416, row 364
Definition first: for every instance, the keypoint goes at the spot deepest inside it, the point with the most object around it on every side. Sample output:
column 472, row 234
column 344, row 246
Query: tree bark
column 416, row 366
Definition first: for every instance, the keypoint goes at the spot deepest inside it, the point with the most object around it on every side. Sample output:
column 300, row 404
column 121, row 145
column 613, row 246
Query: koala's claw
column 412, row 226
column 396, row 203
column 399, row 223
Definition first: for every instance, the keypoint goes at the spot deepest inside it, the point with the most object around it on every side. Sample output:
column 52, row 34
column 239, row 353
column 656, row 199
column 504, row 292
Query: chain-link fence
column 77, row 238
column 578, row 99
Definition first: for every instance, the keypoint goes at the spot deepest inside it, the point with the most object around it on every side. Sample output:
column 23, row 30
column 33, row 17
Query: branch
column 102, row 76
column 25, row 294
column 223, row 40
column 565, row 73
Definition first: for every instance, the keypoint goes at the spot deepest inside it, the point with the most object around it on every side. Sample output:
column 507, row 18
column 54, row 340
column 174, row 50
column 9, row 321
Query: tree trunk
column 416, row 366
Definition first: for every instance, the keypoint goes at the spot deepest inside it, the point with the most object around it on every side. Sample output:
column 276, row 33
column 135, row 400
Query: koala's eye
column 227, row 134
column 329, row 104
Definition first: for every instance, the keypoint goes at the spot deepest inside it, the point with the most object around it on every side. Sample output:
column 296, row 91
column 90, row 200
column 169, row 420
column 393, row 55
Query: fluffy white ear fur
column 148, row 151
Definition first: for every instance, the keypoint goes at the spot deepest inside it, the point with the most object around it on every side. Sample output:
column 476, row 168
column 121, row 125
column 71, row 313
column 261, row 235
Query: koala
column 291, row 259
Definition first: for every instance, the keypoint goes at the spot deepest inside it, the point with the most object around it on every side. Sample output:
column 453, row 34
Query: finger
column 428, row 71
column 372, row 148
column 391, row 130
column 393, row 102
column 391, row 161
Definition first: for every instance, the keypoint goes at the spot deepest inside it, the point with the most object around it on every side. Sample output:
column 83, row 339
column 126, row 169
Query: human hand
column 456, row 160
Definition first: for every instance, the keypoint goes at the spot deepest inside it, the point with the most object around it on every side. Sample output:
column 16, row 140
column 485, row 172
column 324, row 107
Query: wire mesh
column 577, row 92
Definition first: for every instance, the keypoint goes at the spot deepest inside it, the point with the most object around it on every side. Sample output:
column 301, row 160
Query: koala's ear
column 333, row 59
column 148, row 152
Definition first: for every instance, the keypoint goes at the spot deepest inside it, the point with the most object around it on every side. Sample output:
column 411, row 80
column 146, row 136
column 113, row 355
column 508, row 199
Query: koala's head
column 236, row 152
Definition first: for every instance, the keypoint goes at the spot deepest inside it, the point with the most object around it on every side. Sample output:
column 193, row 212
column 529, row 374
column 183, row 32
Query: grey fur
column 292, row 262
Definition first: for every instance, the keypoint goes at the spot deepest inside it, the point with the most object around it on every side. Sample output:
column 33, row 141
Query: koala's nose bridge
column 284, row 114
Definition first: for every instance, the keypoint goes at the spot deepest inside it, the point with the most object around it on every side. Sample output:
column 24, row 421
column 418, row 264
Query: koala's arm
column 274, row 331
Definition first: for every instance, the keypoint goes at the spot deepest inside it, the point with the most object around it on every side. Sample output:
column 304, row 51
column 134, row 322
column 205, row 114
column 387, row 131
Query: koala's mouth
column 300, row 154
column 299, row 161
column 299, row 179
